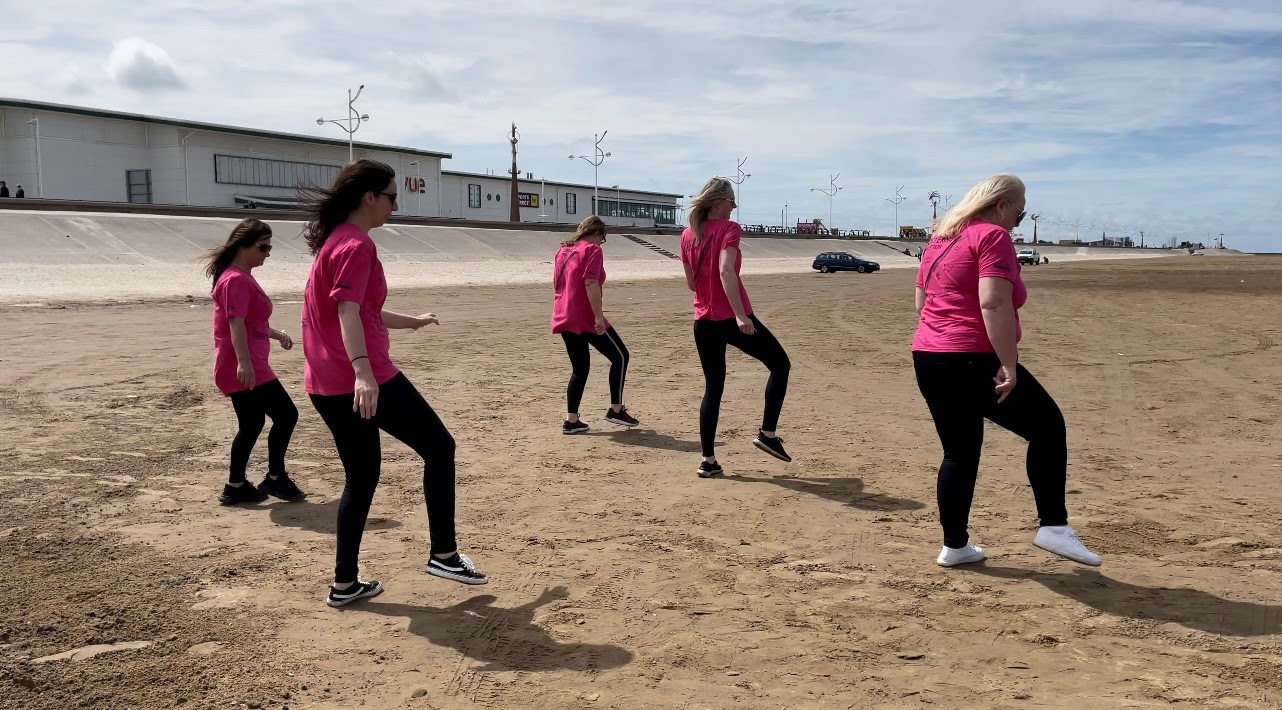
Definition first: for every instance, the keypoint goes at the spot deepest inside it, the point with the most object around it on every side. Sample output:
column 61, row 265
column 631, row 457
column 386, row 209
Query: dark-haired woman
column 578, row 276
column 354, row 384
column 242, row 341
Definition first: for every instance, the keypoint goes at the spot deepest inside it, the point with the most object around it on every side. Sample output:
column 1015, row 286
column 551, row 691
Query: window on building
column 138, row 186
column 473, row 195
column 571, row 203
column 265, row 172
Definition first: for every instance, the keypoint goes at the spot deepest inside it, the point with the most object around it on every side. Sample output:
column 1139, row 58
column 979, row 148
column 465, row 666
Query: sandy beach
column 619, row 578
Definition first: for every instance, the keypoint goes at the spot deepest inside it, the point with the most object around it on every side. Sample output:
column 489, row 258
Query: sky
column 1153, row 115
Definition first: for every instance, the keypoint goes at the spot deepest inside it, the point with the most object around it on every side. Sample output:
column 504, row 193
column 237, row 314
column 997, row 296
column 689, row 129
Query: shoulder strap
column 926, row 282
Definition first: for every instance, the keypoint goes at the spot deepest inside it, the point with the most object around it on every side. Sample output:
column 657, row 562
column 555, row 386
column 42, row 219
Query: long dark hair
column 329, row 207
column 245, row 235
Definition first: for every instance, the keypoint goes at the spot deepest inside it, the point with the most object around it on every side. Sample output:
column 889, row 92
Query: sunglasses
column 1019, row 218
column 264, row 248
column 391, row 196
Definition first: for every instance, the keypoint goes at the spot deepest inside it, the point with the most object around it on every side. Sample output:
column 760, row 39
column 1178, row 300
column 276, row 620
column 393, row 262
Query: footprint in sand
column 222, row 598
column 80, row 654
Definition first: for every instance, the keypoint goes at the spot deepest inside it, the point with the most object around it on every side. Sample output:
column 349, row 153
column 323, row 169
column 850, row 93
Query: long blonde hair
column 713, row 191
column 589, row 225
column 980, row 199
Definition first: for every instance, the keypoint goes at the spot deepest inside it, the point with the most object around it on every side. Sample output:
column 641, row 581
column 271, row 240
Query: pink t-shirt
column 345, row 269
column 238, row 295
column 952, row 321
column 710, row 300
column 571, row 311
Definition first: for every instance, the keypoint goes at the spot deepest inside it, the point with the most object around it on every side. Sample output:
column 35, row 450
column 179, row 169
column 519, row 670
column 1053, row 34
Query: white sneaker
column 1062, row 540
column 953, row 556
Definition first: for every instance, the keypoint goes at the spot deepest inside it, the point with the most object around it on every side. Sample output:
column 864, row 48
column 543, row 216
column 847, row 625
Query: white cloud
column 1155, row 112
column 141, row 65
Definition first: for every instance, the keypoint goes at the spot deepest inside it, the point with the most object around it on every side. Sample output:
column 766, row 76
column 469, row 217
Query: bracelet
column 359, row 357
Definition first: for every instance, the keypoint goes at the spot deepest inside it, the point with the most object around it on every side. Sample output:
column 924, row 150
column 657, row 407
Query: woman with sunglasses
column 354, row 384
column 966, row 357
column 578, row 275
column 242, row 341
column 723, row 316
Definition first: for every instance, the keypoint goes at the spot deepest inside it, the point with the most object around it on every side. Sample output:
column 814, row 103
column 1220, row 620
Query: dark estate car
column 830, row 261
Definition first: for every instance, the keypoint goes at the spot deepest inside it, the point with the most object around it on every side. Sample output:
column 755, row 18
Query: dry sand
column 619, row 579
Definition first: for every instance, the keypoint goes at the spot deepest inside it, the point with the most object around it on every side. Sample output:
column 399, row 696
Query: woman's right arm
column 998, row 307
column 365, row 399
column 920, row 298
column 730, row 282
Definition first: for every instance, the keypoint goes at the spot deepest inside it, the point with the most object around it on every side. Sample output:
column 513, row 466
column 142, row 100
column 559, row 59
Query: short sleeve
column 235, row 296
column 995, row 255
column 732, row 236
column 352, row 266
column 593, row 263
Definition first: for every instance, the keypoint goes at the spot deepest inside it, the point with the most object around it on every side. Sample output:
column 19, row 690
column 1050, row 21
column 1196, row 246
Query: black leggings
column 609, row 345
column 711, row 338
column 958, row 388
column 403, row 413
column 252, row 407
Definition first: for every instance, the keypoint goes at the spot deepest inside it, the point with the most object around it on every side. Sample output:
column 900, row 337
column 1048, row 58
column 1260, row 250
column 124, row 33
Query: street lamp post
column 898, row 198
column 618, row 206
column 598, row 157
column 830, row 191
column 934, row 204
column 738, row 181
column 350, row 124
column 40, row 175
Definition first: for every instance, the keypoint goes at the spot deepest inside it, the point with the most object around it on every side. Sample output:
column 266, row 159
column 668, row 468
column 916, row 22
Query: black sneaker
column 282, row 487
column 569, row 427
column 359, row 590
column 621, row 417
column 457, row 568
column 772, row 445
column 708, row 470
column 244, row 493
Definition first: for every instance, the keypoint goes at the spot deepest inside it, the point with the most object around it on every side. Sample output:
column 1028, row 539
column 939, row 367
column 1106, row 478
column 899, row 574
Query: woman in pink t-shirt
column 578, row 276
column 242, row 342
column 353, row 383
column 966, row 357
column 723, row 316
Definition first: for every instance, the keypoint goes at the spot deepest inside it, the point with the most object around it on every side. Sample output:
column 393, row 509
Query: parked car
column 1029, row 256
column 831, row 261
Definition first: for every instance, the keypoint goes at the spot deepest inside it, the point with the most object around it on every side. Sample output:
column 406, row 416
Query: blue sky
column 1153, row 114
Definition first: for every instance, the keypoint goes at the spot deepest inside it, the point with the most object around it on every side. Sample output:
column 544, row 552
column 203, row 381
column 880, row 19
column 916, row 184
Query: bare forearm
column 999, row 322
column 730, row 282
column 593, row 289
column 349, row 323
column 393, row 320
column 920, row 298
column 239, row 339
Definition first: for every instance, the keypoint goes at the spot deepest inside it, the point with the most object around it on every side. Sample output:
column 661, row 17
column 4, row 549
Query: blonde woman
column 578, row 276
column 723, row 316
column 966, row 357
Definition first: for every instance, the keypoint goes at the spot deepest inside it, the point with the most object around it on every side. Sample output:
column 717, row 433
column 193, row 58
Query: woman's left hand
column 286, row 342
column 425, row 319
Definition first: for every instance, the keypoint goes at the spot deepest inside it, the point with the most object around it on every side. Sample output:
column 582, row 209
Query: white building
column 74, row 153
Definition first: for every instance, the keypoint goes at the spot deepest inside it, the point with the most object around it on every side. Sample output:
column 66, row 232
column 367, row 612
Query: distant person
column 966, row 357
column 242, row 342
column 723, row 316
column 4, row 189
column 19, row 194
column 354, row 384
column 578, row 276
